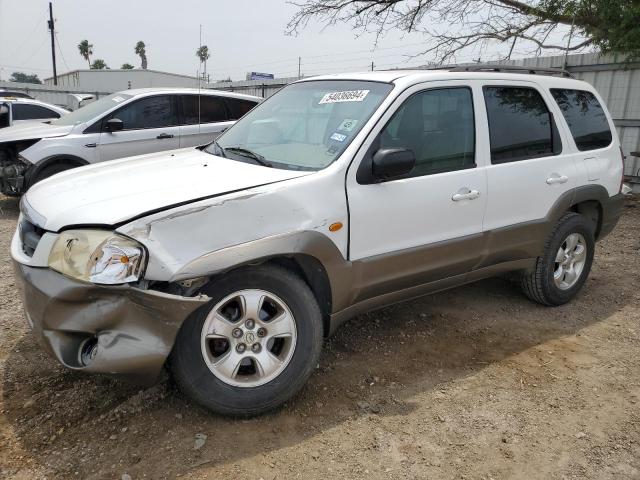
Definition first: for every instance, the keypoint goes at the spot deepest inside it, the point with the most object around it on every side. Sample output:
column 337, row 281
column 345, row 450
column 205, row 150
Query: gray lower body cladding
column 132, row 331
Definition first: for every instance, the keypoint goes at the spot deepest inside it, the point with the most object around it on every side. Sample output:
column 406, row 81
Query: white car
column 337, row 195
column 18, row 110
column 124, row 124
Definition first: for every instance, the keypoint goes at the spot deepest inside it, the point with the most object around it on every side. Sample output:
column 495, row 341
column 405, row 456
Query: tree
column 24, row 78
column 203, row 54
column 454, row 26
column 126, row 66
column 142, row 52
column 99, row 64
column 86, row 50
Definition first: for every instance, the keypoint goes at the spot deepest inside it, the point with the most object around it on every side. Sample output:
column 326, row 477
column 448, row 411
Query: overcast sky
column 242, row 35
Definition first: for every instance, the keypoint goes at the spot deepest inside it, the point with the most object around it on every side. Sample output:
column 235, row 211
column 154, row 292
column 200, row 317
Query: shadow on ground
column 376, row 364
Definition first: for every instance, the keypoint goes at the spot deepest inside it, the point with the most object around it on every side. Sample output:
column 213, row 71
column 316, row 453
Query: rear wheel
column 255, row 344
column 565, row 265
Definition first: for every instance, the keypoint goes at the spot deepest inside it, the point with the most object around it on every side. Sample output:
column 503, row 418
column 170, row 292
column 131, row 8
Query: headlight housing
column 98, row 256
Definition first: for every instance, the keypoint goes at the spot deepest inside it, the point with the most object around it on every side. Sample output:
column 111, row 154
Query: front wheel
column 559, row 274
column 255, row 344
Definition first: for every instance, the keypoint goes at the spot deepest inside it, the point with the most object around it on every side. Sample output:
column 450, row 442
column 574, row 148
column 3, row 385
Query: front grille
column 30, row 236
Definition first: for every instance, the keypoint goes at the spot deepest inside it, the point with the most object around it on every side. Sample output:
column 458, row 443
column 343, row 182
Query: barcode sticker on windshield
column 346, row 96
column 117, row 99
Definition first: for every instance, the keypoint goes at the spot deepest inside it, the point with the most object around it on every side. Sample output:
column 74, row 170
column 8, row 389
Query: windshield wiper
column 245, row 152
column 220, row 150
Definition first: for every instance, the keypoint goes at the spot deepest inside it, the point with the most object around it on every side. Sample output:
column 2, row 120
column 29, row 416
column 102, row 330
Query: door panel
column 202, row 119
column 150, row 125
column 425, row 227
column 196, row 135
column 137, row 142
column 532, row 165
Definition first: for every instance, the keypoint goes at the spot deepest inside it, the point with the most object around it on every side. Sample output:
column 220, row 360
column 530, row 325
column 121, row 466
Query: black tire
column 49, row 171
column 539, row 284
column 192, row 374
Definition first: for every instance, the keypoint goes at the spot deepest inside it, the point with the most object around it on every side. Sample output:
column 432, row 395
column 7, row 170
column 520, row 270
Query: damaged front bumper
column 12, row 177
column 119, row 329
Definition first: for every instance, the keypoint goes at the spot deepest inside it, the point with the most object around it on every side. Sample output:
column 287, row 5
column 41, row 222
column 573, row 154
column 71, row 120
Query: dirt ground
column 475, row 383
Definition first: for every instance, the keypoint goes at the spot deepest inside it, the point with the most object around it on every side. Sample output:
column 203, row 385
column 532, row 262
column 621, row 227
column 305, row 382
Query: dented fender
column 216, row 234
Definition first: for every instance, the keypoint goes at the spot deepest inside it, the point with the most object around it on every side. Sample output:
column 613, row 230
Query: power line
column 61, row 54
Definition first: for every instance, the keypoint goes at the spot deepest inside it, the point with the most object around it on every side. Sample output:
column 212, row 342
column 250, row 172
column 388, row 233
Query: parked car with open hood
column 123, row 124
column 337, row 195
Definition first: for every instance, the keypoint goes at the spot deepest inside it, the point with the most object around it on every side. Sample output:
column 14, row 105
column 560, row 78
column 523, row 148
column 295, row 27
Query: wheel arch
column 309, row 254
column 72, row 160
column 588, row 201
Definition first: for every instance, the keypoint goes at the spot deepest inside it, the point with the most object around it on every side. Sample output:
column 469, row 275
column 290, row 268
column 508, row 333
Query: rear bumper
column 134, row 329
column 611, row 212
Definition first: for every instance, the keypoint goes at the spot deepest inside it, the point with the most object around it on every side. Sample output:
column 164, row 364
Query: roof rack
column 483, row 67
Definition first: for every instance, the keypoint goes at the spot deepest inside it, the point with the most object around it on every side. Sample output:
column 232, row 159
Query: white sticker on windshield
column 347, row 125
column 346, row 96
column 338, row 137
column 117, row 99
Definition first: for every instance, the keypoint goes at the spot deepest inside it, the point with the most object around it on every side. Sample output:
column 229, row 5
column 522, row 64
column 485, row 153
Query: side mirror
column 114, row 125
column 392, row 162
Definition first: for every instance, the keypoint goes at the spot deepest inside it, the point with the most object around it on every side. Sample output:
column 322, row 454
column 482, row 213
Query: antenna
column 199, row 81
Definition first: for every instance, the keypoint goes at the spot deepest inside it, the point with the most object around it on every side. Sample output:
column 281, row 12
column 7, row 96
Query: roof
column 116, row 70
column 196, row 91
column 410, row 77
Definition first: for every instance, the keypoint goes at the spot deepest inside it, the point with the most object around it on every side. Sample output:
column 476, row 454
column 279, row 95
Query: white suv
column 124, row 124
column 337, row 195
column 20, row 110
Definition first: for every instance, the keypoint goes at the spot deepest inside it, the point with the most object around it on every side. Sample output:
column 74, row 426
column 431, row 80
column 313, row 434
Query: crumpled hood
column 119, row 190
column 35, row 129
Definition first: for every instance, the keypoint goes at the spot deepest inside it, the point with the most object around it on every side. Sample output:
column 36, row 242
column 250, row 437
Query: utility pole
column 299, row 67
column 53, row 44
column 372, row 66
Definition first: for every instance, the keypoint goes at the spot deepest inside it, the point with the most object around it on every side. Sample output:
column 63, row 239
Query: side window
column 438, row 126
column 148, row 112
column 207, row 108
column 586, row 118
column 25, row 111
column 520, row 125
column 238, row 108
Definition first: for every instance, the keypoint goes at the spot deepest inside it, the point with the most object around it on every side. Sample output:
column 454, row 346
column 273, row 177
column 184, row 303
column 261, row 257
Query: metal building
column 115, row 80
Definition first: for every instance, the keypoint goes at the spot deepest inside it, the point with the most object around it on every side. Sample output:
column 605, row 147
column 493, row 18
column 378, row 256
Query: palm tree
column 99, row 64
column 140, row 50
column 203, row 54
column 86, row 50
column 126, row 66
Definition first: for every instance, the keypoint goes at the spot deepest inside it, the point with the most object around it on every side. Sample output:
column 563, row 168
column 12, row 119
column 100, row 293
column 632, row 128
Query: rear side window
column 438, row 126
column 520, row 124
column 237, row 107
column 586, row 118
column 202, row 109
column 24, row 111
column 148, row 112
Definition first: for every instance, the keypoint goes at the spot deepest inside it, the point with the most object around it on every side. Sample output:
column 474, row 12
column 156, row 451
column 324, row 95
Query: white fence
column 48, row 93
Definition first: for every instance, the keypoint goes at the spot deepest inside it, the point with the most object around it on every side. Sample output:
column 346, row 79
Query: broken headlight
column 98, row 256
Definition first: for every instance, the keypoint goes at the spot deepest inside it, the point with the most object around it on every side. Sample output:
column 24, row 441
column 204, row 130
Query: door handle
column 465, row 195
column 555, row 178
column 164, row 135
column 91, row 145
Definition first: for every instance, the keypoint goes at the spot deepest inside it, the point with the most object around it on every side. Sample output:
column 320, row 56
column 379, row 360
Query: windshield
column 305, row 126
column 92, row 110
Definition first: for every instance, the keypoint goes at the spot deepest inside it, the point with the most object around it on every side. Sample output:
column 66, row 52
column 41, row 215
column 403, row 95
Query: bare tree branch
column 476, row 23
